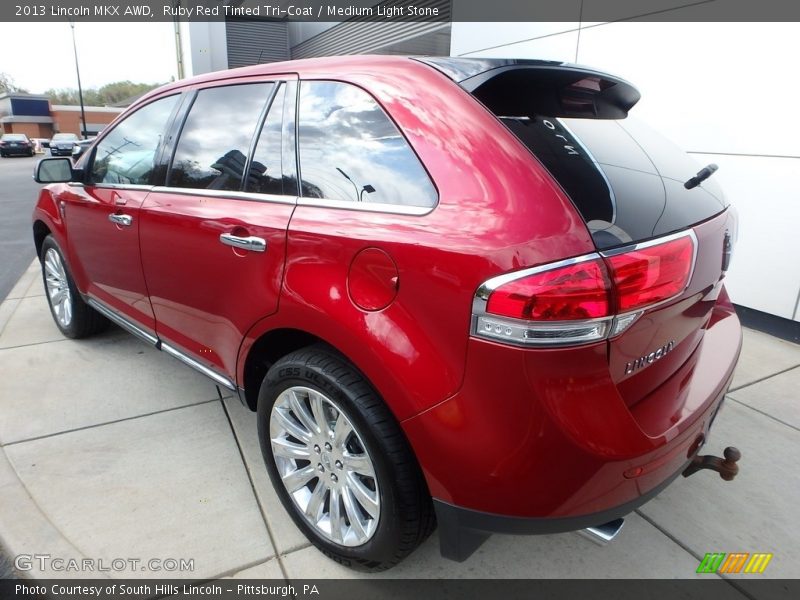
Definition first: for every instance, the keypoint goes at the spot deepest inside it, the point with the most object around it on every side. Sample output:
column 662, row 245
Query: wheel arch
column 267, row 349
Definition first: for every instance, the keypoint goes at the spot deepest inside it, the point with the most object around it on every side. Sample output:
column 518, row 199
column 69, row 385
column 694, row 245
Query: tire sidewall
column 382, row 546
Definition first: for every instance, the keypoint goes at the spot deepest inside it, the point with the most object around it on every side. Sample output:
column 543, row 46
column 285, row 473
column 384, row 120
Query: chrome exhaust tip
column 603, row 534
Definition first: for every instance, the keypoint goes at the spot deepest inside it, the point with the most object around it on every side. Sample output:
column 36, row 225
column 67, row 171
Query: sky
column 107, row 52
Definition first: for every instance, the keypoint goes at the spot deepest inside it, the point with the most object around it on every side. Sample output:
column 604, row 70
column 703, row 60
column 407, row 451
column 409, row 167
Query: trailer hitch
column 726, row 467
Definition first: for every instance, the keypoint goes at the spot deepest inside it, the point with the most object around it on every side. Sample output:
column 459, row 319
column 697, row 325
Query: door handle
column 124, row 220
column 252, row 243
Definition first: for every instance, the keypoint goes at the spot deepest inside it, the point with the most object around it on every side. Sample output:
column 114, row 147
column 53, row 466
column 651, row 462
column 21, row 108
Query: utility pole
column 78, row 72
column 178, row 43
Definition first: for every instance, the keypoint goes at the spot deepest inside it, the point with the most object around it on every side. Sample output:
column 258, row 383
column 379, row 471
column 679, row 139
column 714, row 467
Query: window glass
column 215, row 140
column 266, row 174
column 127, row 154
column 350, row 150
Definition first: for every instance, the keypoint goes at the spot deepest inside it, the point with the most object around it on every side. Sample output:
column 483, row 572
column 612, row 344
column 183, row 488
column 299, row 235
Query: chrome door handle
column 124, row 220
column 252, row 243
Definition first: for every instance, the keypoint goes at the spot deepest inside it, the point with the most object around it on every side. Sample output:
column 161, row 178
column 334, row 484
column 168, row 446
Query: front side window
column 215, row 140
column 351, row 151
column 127, row 154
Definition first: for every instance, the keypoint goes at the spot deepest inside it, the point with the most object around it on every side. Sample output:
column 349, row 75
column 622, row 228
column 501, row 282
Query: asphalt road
column 18, row 193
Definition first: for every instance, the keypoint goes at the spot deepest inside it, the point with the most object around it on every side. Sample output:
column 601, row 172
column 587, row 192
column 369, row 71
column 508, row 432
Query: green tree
column 111, row 93
column 7, row 85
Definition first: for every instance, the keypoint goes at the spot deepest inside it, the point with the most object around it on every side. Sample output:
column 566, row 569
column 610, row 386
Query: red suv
column 464, row 291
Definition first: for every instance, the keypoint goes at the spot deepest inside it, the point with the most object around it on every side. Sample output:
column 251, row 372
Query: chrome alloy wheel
column 58, row 287
column 325, row 466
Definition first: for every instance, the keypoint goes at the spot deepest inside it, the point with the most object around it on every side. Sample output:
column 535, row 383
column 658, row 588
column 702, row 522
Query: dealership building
column 33, row 115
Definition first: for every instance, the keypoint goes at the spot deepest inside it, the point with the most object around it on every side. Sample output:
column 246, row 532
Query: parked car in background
column 465, row 291
column 15, row 143
column 62, row 144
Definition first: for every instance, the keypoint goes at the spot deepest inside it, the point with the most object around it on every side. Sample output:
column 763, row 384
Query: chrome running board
column 131, row 327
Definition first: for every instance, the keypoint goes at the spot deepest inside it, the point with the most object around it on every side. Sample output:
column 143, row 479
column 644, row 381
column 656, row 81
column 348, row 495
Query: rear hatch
column 627, row 182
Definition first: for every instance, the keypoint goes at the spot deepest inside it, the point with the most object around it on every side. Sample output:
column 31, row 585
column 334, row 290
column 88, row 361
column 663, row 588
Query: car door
column 213, row 242
column 102, row 214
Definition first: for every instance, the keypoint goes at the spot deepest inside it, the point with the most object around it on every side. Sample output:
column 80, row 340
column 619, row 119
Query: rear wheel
column 340, row 463
column 72, row 315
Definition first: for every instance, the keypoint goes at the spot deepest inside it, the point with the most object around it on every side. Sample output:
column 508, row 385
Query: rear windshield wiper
column 701, row 176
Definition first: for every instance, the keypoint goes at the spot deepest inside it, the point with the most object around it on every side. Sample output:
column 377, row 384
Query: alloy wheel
column 58, row 290
column 325, row 466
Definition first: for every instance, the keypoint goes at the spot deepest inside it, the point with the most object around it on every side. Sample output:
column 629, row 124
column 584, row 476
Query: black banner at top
column 400, row 10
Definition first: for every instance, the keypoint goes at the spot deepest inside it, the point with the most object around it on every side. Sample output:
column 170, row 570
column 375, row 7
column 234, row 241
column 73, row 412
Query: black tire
column 84, row 321
column 406, row 516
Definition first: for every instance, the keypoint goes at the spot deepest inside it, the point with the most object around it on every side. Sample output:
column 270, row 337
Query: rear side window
column 215, row 140
column 351, row 151
column 127, row 154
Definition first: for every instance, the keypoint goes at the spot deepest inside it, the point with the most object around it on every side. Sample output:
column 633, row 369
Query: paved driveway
column 111, row 449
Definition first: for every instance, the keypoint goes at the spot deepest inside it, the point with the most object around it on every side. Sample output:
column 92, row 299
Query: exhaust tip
column 603, row 534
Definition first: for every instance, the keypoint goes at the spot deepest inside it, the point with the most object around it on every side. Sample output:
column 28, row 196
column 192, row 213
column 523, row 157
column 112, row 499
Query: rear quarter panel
column 497, row 211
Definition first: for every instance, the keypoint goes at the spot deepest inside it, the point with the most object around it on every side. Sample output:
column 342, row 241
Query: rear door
column 213, row 240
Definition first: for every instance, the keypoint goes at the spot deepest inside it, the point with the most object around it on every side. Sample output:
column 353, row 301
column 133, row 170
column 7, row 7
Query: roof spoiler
column 527, row 88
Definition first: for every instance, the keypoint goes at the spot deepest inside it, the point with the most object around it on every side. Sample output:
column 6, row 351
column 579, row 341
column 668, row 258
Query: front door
column 102, row 215
column 213, row 240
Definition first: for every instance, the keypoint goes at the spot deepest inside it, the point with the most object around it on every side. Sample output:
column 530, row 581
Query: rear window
column 625, row 179
column 14, row 137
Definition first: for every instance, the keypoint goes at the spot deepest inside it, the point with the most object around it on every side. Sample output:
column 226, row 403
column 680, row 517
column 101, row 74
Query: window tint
column 266, row 174
column 215, row 140
column 350, row 150
column 127, row 154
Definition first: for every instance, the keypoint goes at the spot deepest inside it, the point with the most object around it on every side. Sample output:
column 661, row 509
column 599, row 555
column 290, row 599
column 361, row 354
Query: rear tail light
column 583, row 299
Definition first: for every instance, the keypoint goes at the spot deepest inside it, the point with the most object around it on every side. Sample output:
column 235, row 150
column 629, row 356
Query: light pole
column 78, row 73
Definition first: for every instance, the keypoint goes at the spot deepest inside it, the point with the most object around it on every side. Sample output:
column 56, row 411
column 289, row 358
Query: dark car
column 15, row 143
column 465, row 291
column 63, row 144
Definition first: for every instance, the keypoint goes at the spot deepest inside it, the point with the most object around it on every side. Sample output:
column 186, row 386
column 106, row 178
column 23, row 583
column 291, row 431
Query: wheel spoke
column 341, row 431
column 301, row 412
column 290, row 426
column 319, row 413
column 297, row 479
column 353, row 514
column 314, row 508
column 359, row 463
column 363, row 495
column 67, row 309
column 335, row 516
column 286, row 449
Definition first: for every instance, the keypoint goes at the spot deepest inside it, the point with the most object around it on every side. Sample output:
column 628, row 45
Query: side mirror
column 55, row 170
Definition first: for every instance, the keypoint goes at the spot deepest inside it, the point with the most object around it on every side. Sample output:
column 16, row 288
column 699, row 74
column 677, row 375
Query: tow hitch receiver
column 726, row 467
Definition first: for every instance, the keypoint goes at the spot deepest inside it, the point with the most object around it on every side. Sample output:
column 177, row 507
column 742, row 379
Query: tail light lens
column 583, row 299
column 577, row 291
column 648, row 275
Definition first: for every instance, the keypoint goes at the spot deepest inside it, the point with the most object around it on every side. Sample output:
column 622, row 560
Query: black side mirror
column 55, row 170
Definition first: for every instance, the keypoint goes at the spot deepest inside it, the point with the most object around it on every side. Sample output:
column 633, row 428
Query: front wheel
column 340, row 463
column 72, row 315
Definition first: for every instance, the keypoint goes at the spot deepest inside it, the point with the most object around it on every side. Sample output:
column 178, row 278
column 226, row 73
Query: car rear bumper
column 17, row 150
column 540, row 441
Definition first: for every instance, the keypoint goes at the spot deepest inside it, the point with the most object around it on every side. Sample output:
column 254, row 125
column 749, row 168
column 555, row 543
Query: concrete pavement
column 111, row 449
